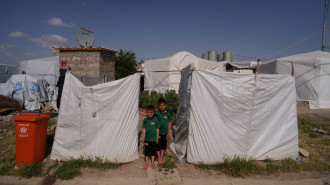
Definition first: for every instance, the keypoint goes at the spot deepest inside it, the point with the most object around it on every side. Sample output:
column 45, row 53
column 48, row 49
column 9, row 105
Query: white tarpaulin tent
column 312, row 74
column 23, row 87
column 164, row 74
column 38, row 83
column 240, row 114
column 48, row 68
column 98, row 121
column 6, row 71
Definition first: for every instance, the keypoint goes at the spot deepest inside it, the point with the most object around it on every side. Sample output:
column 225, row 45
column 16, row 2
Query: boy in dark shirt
column 150, row 134
column 165, row 120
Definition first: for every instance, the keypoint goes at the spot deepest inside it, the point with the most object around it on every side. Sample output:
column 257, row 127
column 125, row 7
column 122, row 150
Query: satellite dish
column 85, row 37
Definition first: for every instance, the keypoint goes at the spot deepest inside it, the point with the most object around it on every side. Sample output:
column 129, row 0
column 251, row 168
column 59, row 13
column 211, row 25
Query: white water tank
column 213, row 55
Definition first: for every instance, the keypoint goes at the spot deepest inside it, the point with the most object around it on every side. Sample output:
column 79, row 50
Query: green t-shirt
column 163, row 120
column 151, row 126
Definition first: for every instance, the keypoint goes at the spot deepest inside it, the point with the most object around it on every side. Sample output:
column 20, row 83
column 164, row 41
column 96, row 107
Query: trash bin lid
column 30, row 117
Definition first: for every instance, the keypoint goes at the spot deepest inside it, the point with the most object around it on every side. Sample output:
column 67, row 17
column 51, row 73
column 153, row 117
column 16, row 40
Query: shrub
column 35, row 169
column 151, row 98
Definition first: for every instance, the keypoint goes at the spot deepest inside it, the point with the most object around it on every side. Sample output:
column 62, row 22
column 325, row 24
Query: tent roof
column 309, row 57
column 178, row 57
column 180, row 60
column 45, row 59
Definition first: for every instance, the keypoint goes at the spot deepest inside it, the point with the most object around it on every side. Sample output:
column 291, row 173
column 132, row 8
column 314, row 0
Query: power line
column 281, row 51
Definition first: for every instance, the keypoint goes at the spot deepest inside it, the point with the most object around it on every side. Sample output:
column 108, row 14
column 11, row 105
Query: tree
column 125, row 64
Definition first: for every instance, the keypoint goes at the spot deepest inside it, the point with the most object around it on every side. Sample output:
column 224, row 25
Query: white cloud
column 84, row 3
column 18, row 34
column 56, row 21
column 49, row 41
column 5, row 46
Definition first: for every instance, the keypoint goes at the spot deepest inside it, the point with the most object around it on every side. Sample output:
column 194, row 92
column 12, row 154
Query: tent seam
column 251, row 115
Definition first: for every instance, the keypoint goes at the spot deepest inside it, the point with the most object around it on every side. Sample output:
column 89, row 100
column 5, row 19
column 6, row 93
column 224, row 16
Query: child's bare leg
column 162, row 153
column 159, row 157
column 153, row 162
column 147, row 163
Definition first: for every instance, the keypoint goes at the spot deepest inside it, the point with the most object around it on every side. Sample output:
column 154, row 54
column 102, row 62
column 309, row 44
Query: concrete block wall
column 89, row 63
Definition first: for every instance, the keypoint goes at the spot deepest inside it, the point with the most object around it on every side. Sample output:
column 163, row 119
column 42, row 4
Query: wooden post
column 258, row 64
column 292, row 69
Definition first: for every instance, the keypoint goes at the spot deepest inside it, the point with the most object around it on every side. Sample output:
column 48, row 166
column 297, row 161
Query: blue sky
column 265, row 29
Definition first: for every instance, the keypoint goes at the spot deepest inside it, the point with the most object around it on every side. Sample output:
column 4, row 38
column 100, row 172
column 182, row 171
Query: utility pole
column 324, row 23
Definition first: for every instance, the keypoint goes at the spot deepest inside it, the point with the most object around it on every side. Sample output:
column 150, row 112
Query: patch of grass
column 169, row 162
column 7, row 149
column 35, row 169
column 51, row 122
column 317, row 145
column 236, row 167
column 70, row 169
column 271, row 166
column 289, row 165
column 5, row 169
column 9, row 125
column 306, row 126
column 241, row 167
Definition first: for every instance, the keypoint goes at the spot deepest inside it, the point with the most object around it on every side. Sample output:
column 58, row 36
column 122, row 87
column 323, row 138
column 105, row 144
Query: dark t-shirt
column 151, row 126
column 163, row 120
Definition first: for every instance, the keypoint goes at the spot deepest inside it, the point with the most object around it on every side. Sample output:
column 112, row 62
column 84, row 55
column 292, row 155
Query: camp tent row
column 224, row 114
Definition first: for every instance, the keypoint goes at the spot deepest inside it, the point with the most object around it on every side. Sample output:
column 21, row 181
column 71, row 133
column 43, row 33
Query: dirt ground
column 185, row 173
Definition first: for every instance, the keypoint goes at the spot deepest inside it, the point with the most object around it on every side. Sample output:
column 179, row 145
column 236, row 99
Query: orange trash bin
column 31, row 133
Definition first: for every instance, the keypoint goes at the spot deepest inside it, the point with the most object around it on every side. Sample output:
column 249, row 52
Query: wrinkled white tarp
column 47, row 68
column 234, row 114
column 312, row 74
column 98, row 121
column 164, row 74
column 23, row 87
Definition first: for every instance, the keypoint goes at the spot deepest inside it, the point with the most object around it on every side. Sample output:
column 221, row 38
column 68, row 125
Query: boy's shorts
column 150, row 148
column 162, row 142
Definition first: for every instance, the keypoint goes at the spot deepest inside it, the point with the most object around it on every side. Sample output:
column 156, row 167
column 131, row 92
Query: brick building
column 89, row 62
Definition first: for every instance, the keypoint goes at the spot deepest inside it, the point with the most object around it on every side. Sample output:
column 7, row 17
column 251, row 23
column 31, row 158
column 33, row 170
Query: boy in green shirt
column 165, row 119
column 150, row 134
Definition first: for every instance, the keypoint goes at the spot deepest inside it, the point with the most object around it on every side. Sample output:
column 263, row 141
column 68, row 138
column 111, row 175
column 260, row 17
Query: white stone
column 322, row 131
column 303, row 152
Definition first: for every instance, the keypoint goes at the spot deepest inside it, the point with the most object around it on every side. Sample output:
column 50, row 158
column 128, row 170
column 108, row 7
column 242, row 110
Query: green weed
column 169, row 162
column 289, row 165
column 34, row 169
column 51, row 122
column 236, row 167
column 70, row 169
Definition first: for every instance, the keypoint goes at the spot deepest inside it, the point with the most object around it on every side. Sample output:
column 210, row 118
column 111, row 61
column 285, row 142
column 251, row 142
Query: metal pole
column 324, row 23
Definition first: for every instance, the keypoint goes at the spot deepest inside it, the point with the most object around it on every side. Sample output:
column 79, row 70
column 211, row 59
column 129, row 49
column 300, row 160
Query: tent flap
column 244, row 115
column 98, row 121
